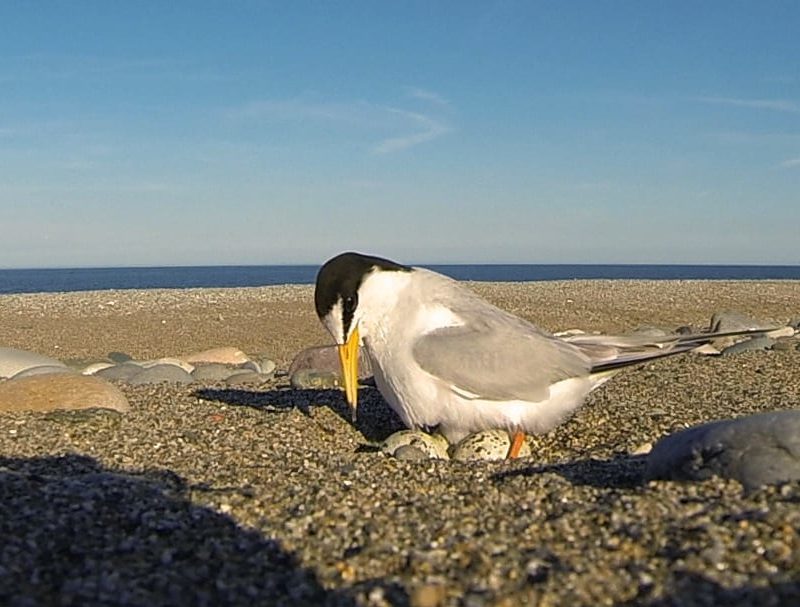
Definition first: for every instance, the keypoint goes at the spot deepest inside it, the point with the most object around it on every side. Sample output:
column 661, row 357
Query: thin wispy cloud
column 790, row 163
column 429, row 129
column 415, row 128
column 426, row 95
column 775, row 105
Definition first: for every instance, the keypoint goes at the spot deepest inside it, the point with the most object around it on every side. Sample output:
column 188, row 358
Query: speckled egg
column 434, row 446
column 487, row 445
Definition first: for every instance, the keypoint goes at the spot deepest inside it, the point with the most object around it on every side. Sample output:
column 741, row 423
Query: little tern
column 444, row 358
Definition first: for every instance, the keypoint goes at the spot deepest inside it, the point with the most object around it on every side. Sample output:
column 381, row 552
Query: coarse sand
column 217, row 495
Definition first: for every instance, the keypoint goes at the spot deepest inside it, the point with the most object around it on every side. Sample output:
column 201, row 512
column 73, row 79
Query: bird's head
column 337, row 297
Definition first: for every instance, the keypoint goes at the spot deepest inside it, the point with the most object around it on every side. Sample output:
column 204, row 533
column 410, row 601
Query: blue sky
column 154, row 133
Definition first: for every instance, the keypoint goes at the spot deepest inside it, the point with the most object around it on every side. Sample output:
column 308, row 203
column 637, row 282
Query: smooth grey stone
column 650, row 331
column 266, row 366
column 326, row 358
column 245, row 377
column 165, row 373
column 757, row 450
column 214, row 372
column 43, row 370
column 750, row 345
column 119, row 357
column 121, row 372
column 730, row 320
column 786, row 344
column 795, row 323
column 311, row 379
column 13, row 360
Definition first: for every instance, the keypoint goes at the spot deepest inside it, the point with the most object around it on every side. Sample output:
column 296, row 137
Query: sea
column 182, row 277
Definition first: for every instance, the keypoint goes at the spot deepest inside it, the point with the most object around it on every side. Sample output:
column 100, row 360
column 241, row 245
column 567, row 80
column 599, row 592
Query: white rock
column 95, row 367
column 226, row 355
column 147, row 364
column 782, row 332
column 42, row 370
column 12, row 361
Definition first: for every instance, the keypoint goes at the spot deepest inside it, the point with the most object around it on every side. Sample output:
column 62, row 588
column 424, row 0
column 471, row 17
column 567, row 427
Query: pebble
column 119, row 357
column 60, row 391
column 264, row 365
column 245, row 377
column 428, row 595
column 731, row 320
column 93, row 368
column 213, row 372
column 786, row 345
column 757, row 450
column 161, row 373
column 225, row 355
column 12, row 361
column 121, row 372
column 752, row 344
column 175, row 362
column 176, row 370
column 787, row 331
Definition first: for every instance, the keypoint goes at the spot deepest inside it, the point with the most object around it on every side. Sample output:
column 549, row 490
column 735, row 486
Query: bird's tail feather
column 611, row 353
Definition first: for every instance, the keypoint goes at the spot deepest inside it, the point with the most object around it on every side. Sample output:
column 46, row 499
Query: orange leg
column 516, row 444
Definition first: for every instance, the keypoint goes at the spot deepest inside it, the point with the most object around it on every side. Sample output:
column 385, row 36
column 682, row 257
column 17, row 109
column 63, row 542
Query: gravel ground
column 264, row 496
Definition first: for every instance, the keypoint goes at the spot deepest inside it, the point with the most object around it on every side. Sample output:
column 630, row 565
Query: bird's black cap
column 341, row 276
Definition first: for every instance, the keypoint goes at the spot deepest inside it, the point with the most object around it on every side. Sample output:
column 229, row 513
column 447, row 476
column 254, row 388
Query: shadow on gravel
column 75, row 533
column 376, row 420
column 624, row 472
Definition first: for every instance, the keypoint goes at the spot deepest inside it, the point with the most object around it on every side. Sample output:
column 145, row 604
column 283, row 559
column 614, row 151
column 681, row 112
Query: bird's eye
column 350, row 303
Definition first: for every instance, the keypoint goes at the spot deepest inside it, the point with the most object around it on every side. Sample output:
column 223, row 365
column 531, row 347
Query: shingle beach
column 214, row 494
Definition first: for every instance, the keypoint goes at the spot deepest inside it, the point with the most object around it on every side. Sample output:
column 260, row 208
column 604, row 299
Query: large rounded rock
column 161, row 373
column 756, row 450
column 326, row 359
column 60, row 391
column 42, row 370
column 122, row 372
column 12, row 361
column 225, row 355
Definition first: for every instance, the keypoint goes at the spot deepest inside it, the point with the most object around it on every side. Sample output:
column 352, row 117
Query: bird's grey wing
column 504, row 361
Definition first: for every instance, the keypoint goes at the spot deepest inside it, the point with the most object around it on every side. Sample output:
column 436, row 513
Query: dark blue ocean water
column 90, row 279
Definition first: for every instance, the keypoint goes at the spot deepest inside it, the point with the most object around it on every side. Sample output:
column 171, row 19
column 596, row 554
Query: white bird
column 444, row 358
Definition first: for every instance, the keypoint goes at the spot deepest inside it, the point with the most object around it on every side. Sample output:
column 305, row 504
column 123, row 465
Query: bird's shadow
column 375, row 420
column 620, row 472
column 142, row 536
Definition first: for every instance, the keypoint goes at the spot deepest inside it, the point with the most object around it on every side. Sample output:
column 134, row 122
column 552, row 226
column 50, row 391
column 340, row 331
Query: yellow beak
column 348, row 356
